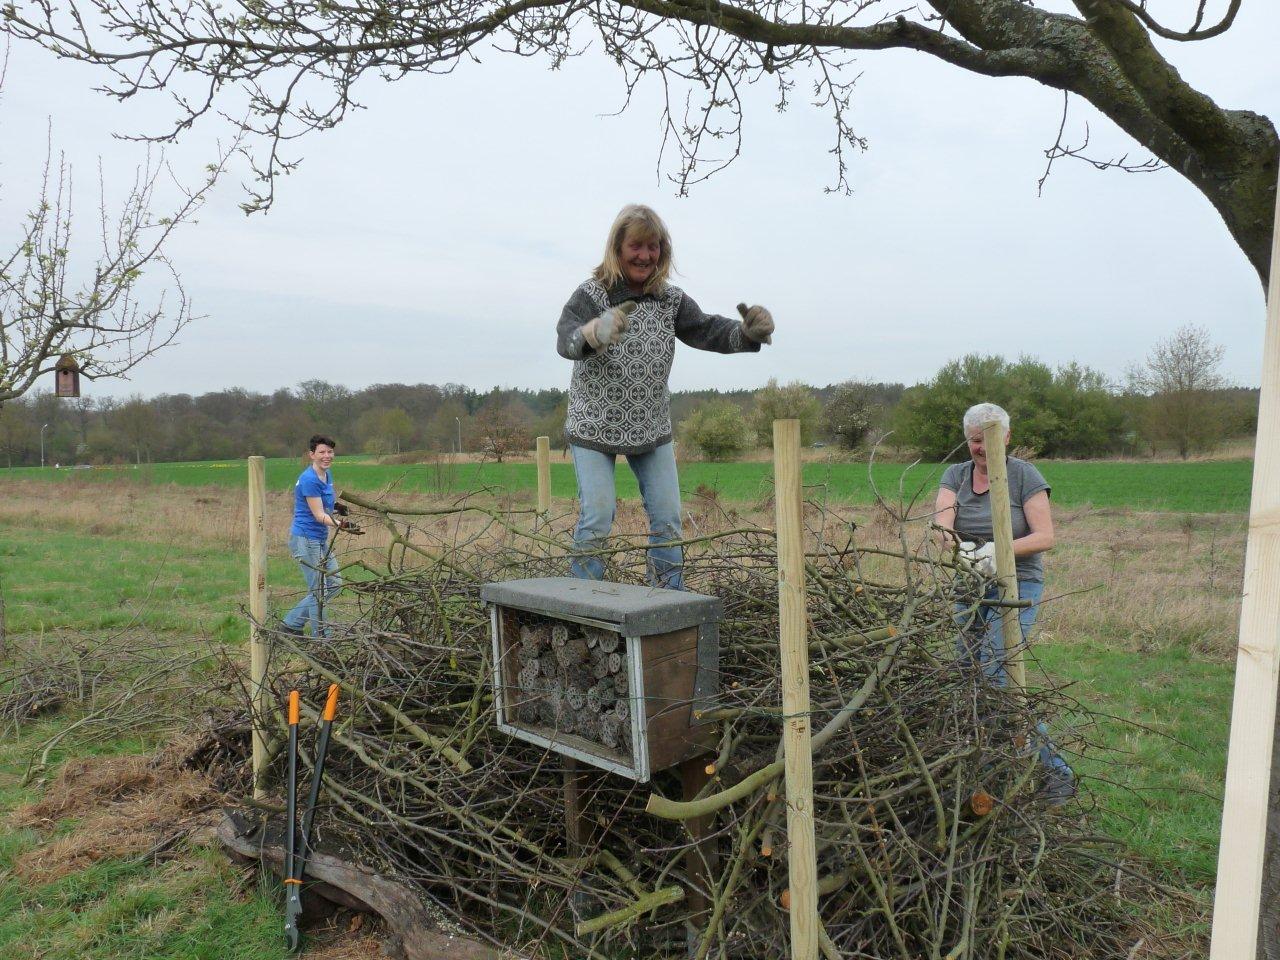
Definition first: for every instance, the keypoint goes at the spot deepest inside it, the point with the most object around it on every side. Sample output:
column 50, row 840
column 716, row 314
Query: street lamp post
column 42, row 430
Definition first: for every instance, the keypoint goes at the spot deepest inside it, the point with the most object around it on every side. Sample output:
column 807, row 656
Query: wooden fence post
column 257, row 615
column 1006, row 568
column 544, row 476
column 1237, row 900
column 801, row 848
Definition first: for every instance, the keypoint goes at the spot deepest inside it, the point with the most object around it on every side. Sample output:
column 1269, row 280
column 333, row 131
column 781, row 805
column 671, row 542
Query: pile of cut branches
column 933, row 837
column 112, row 685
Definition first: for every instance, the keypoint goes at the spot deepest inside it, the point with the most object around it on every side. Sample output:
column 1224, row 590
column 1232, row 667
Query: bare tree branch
column 1196, row 32
column 292, row 66
column 1060, row 150
column 46, row 312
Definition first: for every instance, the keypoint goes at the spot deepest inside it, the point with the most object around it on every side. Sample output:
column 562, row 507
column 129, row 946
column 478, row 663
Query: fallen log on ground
column 414, row 935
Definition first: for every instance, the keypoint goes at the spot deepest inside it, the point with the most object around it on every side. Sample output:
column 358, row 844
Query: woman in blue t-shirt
column 309, row 538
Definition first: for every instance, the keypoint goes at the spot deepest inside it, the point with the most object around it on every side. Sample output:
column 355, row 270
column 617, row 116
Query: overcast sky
column 434, row 236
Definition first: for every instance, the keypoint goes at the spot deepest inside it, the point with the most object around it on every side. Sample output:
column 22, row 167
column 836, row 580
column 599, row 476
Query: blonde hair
column 641, row 221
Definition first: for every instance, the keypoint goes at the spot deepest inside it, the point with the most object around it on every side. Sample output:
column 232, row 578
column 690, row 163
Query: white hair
column 980, row 414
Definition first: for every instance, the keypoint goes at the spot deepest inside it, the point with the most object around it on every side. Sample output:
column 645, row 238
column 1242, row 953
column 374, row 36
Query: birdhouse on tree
column 67, row 377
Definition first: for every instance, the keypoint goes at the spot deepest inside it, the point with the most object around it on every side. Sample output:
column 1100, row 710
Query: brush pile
column 933, row 837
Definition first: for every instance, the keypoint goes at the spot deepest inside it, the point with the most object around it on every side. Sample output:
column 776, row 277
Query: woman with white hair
column 964, row 507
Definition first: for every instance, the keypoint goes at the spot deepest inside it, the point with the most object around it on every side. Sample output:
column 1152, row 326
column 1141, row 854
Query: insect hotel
column 609, row 674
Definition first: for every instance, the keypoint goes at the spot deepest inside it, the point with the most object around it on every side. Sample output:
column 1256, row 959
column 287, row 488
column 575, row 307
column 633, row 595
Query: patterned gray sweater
column 618, row 398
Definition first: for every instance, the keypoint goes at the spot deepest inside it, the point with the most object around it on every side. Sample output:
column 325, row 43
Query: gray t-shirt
column 973, row 510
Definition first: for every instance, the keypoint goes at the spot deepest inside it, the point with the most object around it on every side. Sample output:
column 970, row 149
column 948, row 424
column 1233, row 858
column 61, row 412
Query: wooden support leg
column 701, row 861
column 579, row 828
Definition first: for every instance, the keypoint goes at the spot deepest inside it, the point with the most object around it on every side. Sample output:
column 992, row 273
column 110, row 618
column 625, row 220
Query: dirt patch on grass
column 123, row 806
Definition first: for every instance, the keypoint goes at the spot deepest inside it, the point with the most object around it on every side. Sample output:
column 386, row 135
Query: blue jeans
column 659, row 488
column 320, row 570
column 986, row 650
column 981, row 643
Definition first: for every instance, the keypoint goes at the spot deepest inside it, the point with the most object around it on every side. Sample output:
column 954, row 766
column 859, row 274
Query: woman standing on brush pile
column 313, row 507
column 620, row 328
column 964, row 507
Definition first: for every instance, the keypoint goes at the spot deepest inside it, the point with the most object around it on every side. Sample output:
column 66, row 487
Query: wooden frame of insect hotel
column 611, row 674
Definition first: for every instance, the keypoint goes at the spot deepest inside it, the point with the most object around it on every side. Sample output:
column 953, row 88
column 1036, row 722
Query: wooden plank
column 508, row 665
column 1006, row 570
column 670, row 670
column 581, row 831
column 1237, row 900
column 258, row 690
column 801, row 849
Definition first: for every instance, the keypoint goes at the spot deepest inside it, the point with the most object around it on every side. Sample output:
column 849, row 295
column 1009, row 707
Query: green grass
column 1158, row 775
column 194, row 907
column 197, row 906
column 59, row 579
column 1199, row 487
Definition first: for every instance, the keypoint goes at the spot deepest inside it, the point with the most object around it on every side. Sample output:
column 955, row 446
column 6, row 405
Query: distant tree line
column 382, row 419
column 1175, row 400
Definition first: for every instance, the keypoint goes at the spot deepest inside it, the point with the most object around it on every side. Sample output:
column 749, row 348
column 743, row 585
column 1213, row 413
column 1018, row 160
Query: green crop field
column 1194, row 487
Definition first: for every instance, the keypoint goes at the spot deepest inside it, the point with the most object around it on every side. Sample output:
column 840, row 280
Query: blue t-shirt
column 310, row 485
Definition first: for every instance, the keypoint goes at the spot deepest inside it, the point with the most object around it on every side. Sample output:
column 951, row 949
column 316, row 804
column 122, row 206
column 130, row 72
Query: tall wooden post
column 1237, row 901
column 544, row 476
column 801, row 849
column 1006, row 568
column 257, row 615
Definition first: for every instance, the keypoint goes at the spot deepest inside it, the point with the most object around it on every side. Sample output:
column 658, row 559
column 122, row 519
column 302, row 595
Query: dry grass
column 1145, row 582
column 210, row 515
column 121, row 806
column 355, row 948
column 1135, row 579
column 1237, row 448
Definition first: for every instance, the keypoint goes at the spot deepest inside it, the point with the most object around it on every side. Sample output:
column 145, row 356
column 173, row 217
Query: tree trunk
column 1108, row 58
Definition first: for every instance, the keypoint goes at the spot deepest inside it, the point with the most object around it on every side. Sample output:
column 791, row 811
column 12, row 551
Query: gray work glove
column 607, row 329
column 757, row 323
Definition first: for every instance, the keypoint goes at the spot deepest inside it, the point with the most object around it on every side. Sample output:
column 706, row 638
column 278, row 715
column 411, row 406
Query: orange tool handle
column 293, row 708
column 331, row 705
